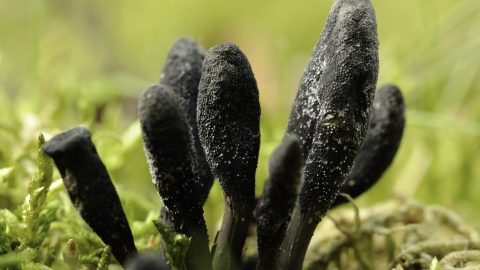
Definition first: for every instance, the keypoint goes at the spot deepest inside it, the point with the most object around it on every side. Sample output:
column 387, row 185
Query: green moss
column 37, row 194
column 176, row 246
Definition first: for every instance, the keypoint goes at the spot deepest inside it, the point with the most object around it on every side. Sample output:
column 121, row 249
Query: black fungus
column 250, row 263
column 91, row 190
column 181, row 72
column 330, row 115
column 146, row 261
column 337, row 63
column 228, row 118
column 384, row 134
column 276, row 204
column 339, row 89
column 345, row 66
column 170, row 154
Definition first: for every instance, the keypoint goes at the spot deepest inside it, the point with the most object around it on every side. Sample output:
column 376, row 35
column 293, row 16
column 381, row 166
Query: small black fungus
column 170, row 154
column 276, row 204
column 146, row 261
column 91, row 190
column 384, row 134
column 181, row 72
column 228, row 118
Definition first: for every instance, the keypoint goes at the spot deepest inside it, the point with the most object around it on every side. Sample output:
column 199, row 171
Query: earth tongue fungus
column 276, row 204
column 228, row 118
column 171, row 157
column 380, row 145
column 146, row 261
column 330, row 115
column 91, row 190
column 203, row 121
column 182, row 72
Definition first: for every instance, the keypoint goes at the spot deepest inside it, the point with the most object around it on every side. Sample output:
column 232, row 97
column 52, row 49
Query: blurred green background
column 69, row 63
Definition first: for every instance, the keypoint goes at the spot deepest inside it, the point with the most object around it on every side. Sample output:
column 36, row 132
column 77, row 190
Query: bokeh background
column 69, row 63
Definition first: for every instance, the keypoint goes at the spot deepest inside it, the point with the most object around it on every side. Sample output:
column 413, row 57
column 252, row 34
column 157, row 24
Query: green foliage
column 4, row 243
column 105, row 259
column 22, row 237
column 176, row 246
column 37, row 194
column 4, row 173
column 47, row 216
column 11, row 260
column 13, row 225
column 70, row 254
column 30, row 232
column 434, row 265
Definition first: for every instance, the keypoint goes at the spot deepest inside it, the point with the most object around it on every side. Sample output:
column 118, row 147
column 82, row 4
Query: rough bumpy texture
column 333, row 104
column 170, row 154
column 276, row 204
column 91, row 190
column 330, row 115
column 228, row 118
column 182, row 72
column 349, row 35
column 384, row 134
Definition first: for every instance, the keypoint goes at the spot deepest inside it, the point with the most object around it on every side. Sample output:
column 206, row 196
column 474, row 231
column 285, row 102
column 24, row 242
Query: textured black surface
column 330, row 115
column 276, row 204
column 169, row 149
column 146, row 261
column 228, row 118
column 332, row 107
column 384, row 134
column 349, row 34
column 182, row 71
column 91, row 190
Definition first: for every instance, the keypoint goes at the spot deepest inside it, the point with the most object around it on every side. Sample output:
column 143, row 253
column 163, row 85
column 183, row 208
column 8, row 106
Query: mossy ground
column 395, row 234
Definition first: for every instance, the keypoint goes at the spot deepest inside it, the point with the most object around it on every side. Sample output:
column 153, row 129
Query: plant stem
column 228, row 245
column 297, row 239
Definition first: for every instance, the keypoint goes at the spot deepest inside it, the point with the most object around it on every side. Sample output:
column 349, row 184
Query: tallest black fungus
column 330, row 115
